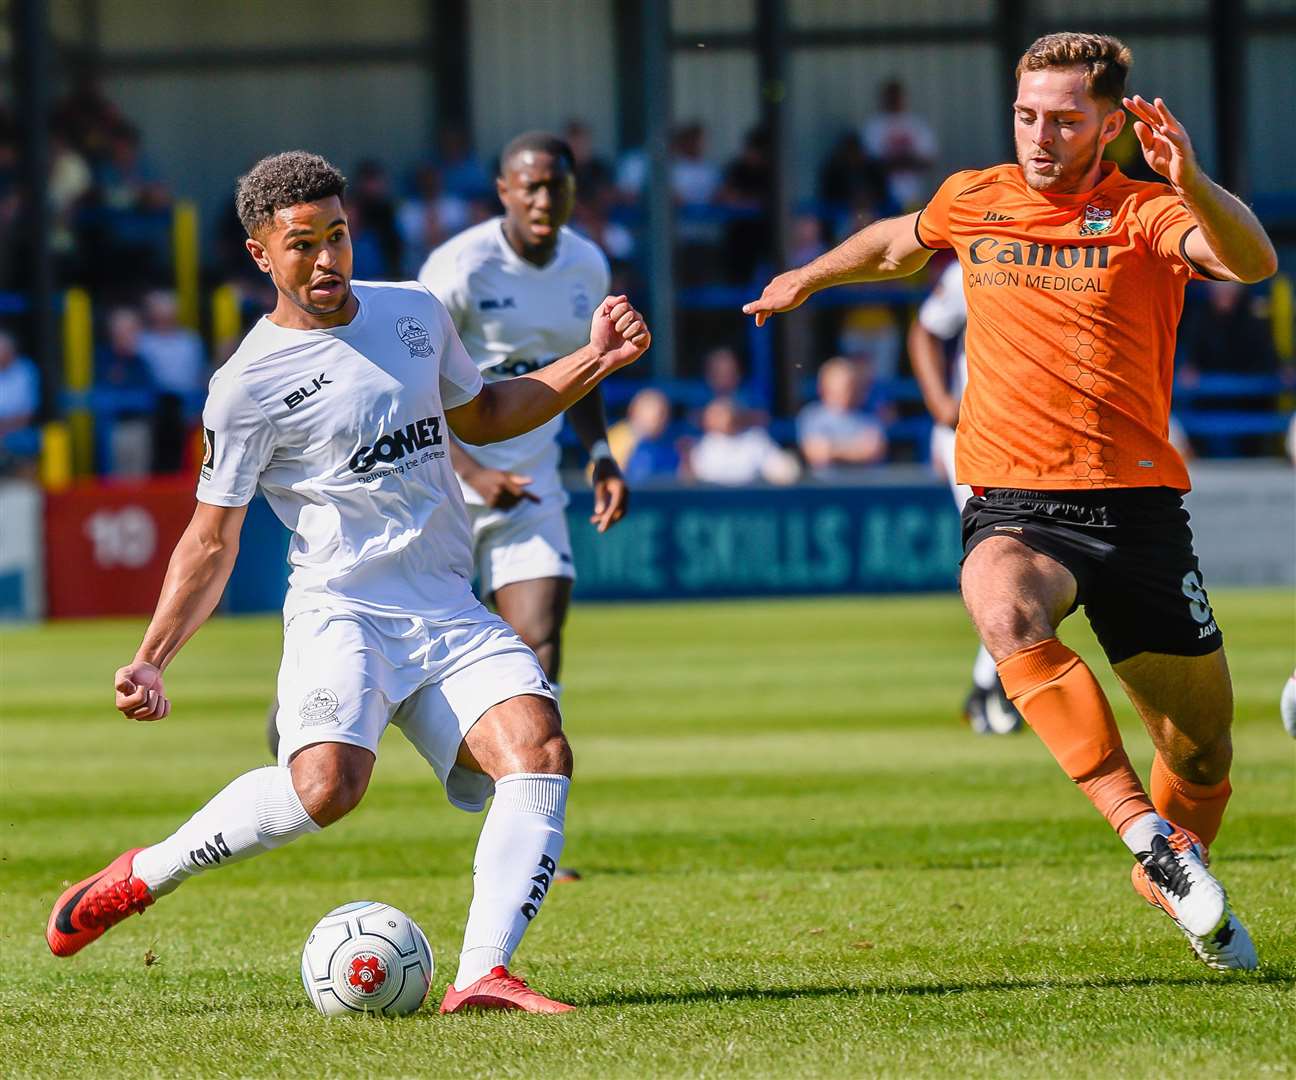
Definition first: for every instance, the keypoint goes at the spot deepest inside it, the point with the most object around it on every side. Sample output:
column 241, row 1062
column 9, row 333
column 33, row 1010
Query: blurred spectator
column 732, row 454
column 593, row 174
column 172, row 353
column 592, row 218
column 70, row 182
column 462, row 172
column 88, row 117
column 870, row 333
column 1227, row 335
column 120, row 367
column 428, row 219
column 834, row 431
column 903, row 143
column 641, row 442
column 807, row 240
column 849, row 173
column 747, row 187
column 722, row 371
column 19, row 405
column 125, row 179
column 372, row 203
column 694, row 180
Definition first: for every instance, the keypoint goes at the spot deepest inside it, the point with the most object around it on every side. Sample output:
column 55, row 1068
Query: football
column 366, row 957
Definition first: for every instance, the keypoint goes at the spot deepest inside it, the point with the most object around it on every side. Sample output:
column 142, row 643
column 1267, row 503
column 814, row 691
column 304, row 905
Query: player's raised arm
column 1229, row 241
column 502, row 410
column 885, row 249
column 196, row 576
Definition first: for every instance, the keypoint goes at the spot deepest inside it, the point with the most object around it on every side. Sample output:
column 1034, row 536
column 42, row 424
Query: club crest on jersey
column 581, row 306
column 1097, row 220
column 415, row 335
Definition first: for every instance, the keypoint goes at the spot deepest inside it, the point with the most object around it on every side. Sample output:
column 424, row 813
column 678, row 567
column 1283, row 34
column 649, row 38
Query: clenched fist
column 619, row 332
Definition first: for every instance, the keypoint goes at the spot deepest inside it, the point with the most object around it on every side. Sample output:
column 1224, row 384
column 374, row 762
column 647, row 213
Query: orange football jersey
column 1073, row 302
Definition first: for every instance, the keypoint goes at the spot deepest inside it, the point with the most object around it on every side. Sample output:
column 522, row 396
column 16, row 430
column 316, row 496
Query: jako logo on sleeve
column 420, row 435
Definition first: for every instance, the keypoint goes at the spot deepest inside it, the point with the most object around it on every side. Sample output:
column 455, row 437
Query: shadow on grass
column 789, row 993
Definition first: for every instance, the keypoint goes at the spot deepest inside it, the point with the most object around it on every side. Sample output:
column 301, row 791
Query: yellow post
column 56, row 456
column 227, row 320
column 1280, row 317
column 184, row 249
column 78, row 377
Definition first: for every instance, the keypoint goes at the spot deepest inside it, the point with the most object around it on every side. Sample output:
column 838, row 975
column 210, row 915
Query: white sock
column 1138, row 834
column 985, row 676
column 517, row 855
column 257, row 811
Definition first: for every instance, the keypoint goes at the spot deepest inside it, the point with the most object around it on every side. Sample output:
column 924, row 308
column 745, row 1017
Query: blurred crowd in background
column 111, row 213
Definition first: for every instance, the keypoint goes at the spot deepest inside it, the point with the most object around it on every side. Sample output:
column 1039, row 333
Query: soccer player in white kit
column 339, row 407
column 941, row 318
column 520, row 289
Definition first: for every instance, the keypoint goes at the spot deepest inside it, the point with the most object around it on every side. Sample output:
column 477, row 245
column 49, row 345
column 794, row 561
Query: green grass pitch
column 797, row 863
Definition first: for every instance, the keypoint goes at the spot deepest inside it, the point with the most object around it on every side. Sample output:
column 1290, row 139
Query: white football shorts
column 345, row 676
column 942, row 452
column 527, row 542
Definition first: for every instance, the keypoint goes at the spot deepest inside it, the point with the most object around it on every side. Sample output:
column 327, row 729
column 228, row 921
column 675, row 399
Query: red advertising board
column 107, row 545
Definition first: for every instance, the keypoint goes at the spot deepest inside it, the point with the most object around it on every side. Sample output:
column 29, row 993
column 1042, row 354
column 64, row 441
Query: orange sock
column 1062, row 701
column 1199, row 808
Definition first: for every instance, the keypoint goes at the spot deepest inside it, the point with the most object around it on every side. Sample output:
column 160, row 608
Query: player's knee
column 1202, row 762
column 550, row 754
column 1011, row 625
column 331, row 789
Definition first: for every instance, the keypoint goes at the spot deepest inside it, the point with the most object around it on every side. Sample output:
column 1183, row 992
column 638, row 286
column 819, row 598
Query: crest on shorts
column 415, row 335
column 1097, row 220
column 320, row 706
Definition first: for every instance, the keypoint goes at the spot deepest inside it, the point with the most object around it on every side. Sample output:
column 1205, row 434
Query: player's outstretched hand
column 140, row 694
column 1166, row 146
column 785, row 292
column 619, row 332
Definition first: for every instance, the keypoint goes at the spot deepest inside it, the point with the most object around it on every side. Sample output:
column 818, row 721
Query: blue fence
column 695, row 543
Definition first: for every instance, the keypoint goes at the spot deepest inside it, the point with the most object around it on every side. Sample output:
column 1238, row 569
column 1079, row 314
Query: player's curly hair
column 280, row 180
column 1106, row 61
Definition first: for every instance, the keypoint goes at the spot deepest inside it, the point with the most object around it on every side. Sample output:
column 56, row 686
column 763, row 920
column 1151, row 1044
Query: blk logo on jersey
column 303, row 392
column 390, row 449
column 415, row 335
column 491, row 304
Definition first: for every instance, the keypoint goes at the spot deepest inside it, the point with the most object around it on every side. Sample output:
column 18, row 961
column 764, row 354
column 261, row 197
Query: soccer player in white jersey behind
column 338, row 405
column 520, row 289
column 941, row 318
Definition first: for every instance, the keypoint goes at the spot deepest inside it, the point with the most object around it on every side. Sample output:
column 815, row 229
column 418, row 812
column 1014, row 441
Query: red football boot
column 500, row 990
column 88, row 908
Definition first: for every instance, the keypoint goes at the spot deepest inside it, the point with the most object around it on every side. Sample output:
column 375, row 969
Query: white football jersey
column 344, row 431
column 515, row 317
column 944, row 313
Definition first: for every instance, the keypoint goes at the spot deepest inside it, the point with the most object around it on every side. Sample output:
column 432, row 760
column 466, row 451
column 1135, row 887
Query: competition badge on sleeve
column 209, row 452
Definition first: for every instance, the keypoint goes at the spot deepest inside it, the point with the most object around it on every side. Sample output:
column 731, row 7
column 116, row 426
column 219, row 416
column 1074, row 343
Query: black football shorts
column 1130, row 551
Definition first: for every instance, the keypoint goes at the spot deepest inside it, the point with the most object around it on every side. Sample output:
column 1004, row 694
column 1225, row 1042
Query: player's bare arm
column 927, row 355
column 618, row 337
column 499, row 489
column 611, row 495
column 195, row 579
column 1229, row 241
column 885, row 249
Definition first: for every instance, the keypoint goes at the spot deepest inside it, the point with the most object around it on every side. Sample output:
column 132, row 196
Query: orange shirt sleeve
column 932, row 226
column 1167, row 223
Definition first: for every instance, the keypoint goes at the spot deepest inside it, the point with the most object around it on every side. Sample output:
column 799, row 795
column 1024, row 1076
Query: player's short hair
column 537, row 142
column 282, row 180
column 1106, row 61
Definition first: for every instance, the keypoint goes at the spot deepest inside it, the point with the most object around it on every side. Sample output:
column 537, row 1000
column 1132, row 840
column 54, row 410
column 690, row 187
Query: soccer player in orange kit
column 1075, row 280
